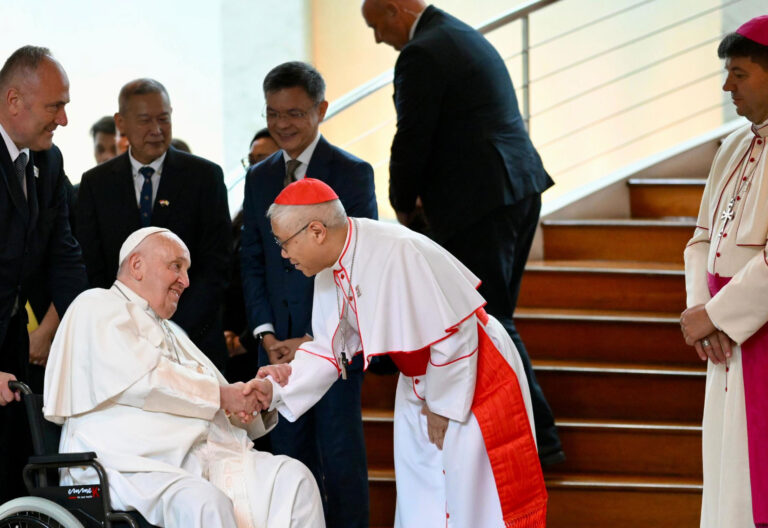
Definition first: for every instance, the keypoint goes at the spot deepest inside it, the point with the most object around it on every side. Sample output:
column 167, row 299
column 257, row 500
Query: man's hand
column 436, row 426
column 280, row 373
column 696, row 324
column 261, row 389
column 234, row 347
column 39, row 346
column 282, row 351
column 716, row 347
column 40, row 338
column 6, row 394
column 234, row 400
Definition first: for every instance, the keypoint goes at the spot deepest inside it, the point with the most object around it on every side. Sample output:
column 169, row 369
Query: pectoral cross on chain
column 726, row 216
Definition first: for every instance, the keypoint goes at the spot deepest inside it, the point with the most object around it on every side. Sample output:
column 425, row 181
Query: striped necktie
column 145, row 202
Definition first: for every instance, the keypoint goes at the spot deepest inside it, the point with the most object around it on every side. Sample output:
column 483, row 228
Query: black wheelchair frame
column 90, row 504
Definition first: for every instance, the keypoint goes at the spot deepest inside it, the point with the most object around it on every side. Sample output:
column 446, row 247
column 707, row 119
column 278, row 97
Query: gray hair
column 139, row 87
column 24, row 60
column 331, row 214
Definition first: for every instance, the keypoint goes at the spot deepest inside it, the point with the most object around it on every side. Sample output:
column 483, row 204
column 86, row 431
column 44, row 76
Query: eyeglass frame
column 282, row 244
column 291, row 115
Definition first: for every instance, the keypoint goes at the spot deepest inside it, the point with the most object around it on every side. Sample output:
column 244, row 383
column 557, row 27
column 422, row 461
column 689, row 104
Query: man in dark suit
column 155, row 184
column 278, row 297
column 462, row 164
column 35, row 237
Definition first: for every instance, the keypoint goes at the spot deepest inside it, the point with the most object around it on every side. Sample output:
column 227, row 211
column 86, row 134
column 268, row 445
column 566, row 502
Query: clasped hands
column 246, row 399
column 699, row 332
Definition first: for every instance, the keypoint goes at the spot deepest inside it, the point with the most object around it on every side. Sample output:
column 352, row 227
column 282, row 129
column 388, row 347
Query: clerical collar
column 346, row 253
column 412, row 31
column 761, row 129
column 13, row 150
column 130, row 295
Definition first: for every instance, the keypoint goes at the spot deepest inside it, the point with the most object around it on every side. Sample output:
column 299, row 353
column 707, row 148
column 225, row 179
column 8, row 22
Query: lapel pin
column 35, row 171
column 164, row 203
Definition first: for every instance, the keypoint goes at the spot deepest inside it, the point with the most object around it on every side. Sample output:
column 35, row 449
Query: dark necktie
column 145, row 203
column 20, row 166
column 290, row 171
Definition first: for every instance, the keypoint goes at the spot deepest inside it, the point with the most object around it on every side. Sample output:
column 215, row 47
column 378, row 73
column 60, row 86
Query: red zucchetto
column 307, row 191
column 755, row 30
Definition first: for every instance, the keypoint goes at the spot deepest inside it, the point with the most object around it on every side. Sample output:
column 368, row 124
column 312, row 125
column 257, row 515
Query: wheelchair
column 52, row 506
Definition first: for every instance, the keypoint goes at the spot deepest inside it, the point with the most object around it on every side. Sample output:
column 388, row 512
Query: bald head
column 157, row 270
column 391, row 20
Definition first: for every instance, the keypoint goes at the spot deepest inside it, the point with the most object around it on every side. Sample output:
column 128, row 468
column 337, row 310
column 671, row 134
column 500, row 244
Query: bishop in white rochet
column 726, row 278
column 464, row 448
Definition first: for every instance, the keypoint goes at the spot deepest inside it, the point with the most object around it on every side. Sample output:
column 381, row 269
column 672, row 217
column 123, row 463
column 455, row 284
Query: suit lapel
column 319, row 164
column 12, row 183
column 125, row 191
column 171, row 182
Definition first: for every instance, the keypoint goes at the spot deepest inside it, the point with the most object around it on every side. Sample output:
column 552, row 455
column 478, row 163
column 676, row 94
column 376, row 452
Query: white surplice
column 432, row 299
column 134, row 389
column 739, row 171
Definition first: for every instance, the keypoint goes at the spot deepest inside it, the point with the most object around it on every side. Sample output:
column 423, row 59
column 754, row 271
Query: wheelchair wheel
column 35, row 512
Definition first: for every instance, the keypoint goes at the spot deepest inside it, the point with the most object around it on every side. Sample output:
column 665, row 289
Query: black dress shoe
column 551, row 458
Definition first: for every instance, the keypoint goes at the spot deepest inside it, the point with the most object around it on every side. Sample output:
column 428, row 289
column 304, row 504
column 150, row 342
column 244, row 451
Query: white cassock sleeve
column 452, row 372
column 313, row 371
column 739, row 309
column 697, row 250
column 174, row 389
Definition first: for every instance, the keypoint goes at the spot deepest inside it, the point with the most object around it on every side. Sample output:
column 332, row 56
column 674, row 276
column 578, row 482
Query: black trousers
column 15, row 441
column 496, row 249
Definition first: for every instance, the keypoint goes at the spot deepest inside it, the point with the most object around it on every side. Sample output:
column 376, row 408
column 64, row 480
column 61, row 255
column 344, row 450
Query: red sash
column 500, row 411
column 754, row 366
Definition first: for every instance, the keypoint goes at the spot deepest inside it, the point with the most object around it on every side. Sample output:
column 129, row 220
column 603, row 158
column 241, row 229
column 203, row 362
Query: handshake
column 246, row 399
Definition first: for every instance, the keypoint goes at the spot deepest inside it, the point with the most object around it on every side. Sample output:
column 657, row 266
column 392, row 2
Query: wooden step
column 379, row 437
column 379, row 391
column 639, row 448
column 661, row 197
column 593, row 285
column 382, row 496
column 593, row 446
column 604, row 391
column 598, row 501
column 586, row 501
column 599, row 335
column 635, row 240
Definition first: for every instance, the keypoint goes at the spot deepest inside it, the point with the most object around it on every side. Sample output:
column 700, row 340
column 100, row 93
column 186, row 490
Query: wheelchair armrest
column 66, row 459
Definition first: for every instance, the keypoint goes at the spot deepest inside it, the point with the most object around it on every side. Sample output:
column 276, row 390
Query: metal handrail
column 377, row 83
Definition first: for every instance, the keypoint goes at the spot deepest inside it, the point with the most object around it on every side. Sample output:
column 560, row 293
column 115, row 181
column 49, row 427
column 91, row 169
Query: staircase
column 599, row 316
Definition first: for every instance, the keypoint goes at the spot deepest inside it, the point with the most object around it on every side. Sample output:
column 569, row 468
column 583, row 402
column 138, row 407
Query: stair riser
column 621, row 396
column 602, row 291
column 378, row 444
column 382, row 498
column 611, row 341
column 639, row 243
column 631, row 451
column 577, row 508
column 657, row 201
column 379, row 391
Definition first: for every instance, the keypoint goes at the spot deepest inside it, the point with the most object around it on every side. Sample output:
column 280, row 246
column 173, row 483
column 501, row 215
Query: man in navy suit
column 462, row 162
column 35, row 237
column 155, row 184
column 278, row 297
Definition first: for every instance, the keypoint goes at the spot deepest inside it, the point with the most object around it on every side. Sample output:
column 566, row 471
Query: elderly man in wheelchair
column 149, row 424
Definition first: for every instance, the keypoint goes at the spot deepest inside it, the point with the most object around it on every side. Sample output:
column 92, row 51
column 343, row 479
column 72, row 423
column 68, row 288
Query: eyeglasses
column 291, row 115
column 246, row 162
column 282, row 244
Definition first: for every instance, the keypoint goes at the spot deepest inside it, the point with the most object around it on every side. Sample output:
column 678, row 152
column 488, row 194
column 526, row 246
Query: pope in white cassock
column 128, row 384
column 465, row 454
column 726, row 277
